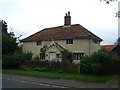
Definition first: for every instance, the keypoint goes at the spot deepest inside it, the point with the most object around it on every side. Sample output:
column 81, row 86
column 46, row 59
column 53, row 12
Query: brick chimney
column 67, row 19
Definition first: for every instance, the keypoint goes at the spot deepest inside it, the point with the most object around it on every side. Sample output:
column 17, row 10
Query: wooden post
column 78, row 68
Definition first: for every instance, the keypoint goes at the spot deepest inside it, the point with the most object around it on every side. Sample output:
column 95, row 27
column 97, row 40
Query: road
column 12, row 80
column 11, row 83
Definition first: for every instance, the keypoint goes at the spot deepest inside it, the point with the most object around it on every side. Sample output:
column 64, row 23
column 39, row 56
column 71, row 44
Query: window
column 42, row 56
column 77, row 56
column 69, row 41
column 39, row 43
column 58, row 56
column 95, row 41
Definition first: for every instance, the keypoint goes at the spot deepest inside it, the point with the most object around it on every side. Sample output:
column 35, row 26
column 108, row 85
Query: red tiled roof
column 61, row 32
column 108, row 47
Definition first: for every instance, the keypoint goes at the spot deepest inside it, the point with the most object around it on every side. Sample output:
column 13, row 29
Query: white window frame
column 38, row 43
column 77, row 56
column 69, row 41
column 95, row 41
column 42, row 57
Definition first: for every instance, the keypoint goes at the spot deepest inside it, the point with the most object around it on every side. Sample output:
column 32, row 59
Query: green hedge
column 13, row 61
column 102, row 62
column 53, row 65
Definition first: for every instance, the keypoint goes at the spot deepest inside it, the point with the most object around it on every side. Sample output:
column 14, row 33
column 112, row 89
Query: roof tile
column 109, row 47
column 61, row 32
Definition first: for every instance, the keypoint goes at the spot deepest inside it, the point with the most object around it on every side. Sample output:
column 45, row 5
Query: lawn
column 81, row 77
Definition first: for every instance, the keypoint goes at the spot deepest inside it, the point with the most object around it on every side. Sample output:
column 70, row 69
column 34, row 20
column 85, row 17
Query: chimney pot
column 66, row 14
column 67, row 19
column 69, row 13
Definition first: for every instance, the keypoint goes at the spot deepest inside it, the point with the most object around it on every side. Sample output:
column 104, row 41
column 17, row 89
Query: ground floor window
column 58, row 56
column 77, row 56
column 42, row 56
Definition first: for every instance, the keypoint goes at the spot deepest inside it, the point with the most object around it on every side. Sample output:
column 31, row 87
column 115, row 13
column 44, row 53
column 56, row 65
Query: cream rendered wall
column 78, row 46
column 85, row 46
column 94, row 47
column 32, row 47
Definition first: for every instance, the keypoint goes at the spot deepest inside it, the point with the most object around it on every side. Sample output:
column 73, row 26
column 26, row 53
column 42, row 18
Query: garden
column 101, row 66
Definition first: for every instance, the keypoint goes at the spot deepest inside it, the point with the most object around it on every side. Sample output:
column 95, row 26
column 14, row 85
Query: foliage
column 100, row 63
column 53, row 66
column 61, row 71
column 118, row 41
column 42, row 69
column 4, row 26
column 9, row 44
column 25, row 68
column 15, row 60
column 43, row 50
column 36, row 58
column 67, row 56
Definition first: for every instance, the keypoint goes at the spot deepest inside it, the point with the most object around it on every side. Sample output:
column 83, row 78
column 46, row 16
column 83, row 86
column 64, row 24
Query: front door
column 52, row 56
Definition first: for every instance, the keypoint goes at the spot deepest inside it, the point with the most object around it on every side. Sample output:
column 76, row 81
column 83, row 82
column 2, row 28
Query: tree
column 118, row 41
column 4, row 26
column 9, row 44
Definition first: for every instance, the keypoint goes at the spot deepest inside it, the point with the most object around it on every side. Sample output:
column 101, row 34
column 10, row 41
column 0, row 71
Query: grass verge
column 81, row 77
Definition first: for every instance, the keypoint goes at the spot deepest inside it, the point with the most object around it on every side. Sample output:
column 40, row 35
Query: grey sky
column 26, row 17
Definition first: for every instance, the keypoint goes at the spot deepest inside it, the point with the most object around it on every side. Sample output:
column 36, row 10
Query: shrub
column 42, row 69
column 25, row 68
column 100, row 63
column 13, row 61
column 60, row 71
column 53, row 66
column 36, row 58
column 67, row 56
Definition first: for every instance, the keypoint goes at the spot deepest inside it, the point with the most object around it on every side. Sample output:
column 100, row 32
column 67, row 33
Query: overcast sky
column 25, row 17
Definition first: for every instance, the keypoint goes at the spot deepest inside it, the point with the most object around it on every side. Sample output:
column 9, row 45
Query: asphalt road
column 10, row 83
column 22, row 81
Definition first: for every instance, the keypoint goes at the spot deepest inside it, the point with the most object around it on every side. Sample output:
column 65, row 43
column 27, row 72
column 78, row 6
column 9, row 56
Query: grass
column 81, row 77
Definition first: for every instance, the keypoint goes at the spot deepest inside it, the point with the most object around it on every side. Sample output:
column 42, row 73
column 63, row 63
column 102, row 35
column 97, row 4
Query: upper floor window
column 95, row 41
column 38, row 43
column 69, row 41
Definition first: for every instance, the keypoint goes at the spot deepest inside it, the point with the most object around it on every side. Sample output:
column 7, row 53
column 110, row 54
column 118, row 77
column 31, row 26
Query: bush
column 36, row 58
column 60, row 71
column 102, row 62
column 25, row 68
column 13, row 61
column 42, row 69
column 53, row 66
column 67, row 56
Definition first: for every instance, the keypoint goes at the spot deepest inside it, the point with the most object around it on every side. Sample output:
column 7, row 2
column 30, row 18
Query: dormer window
column 38, row 43
column 69, row 41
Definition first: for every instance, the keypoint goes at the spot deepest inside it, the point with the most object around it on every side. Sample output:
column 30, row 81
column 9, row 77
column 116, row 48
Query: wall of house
column 94, row 46
column 85, row 46
column 78, row 46
column 31, row 47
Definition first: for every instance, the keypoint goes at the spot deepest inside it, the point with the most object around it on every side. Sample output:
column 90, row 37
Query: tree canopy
column 9, row 44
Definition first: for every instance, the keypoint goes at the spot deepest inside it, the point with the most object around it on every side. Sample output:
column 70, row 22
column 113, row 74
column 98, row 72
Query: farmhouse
column 54, row 40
